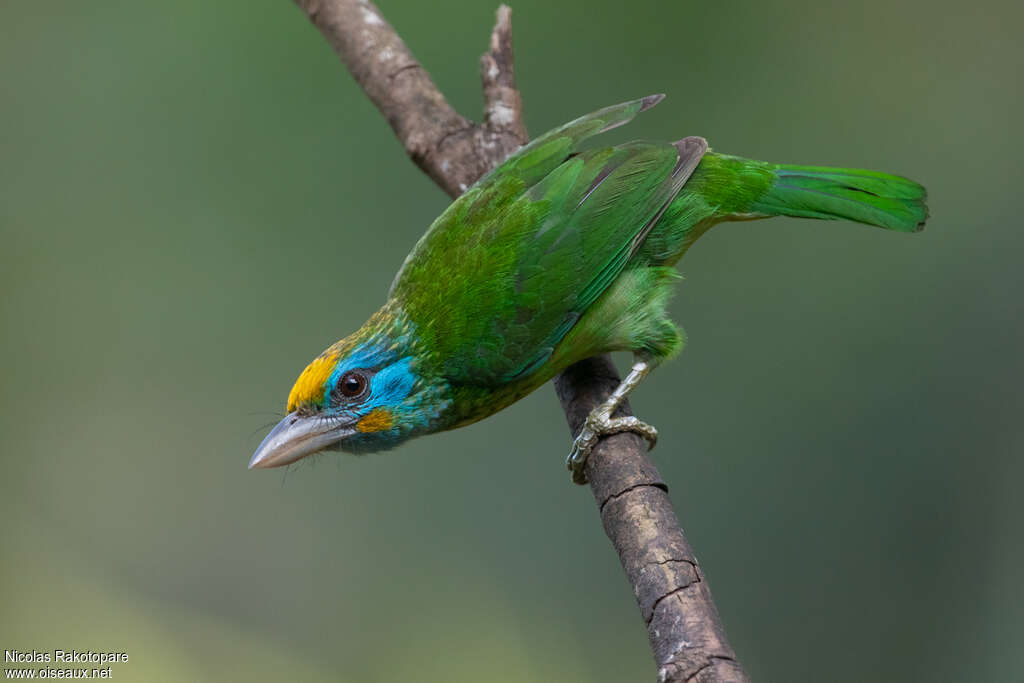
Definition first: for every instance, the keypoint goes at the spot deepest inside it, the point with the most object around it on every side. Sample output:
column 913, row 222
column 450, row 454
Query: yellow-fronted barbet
column 556, row 255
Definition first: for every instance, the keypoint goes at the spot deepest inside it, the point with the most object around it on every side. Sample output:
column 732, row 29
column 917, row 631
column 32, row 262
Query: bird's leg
column 601, row 423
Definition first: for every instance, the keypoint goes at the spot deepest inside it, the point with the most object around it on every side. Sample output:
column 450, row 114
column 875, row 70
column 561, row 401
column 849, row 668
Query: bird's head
column 362, row 394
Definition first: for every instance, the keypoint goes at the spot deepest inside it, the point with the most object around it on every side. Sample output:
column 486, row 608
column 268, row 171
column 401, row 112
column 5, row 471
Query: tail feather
column 871, row 197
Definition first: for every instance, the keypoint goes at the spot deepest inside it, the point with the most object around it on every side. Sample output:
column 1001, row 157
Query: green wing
column 507, row 270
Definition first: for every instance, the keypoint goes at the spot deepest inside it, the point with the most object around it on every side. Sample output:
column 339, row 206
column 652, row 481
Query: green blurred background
column 195, row 199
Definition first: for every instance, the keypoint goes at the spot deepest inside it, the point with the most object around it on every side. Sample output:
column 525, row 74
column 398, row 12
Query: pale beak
column 297, row 436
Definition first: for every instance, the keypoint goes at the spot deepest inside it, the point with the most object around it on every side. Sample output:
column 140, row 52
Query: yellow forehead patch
column 309, row 387
column 377, row 420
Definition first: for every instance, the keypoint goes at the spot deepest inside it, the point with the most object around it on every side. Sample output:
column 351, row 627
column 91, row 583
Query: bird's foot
column 600, row 423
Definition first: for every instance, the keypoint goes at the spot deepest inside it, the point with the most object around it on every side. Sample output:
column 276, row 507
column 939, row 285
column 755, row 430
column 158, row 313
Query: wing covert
column 508, row 269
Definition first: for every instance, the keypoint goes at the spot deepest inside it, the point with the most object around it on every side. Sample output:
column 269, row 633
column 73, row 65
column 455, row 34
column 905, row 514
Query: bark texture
column 686, row 634
column 683, row 626
column 452, row 150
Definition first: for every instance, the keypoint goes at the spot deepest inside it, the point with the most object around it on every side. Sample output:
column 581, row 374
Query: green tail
column 888, row 201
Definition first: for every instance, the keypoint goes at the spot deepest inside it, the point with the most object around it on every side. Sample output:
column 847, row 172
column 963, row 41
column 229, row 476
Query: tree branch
column 452, row 150
column 685, row 632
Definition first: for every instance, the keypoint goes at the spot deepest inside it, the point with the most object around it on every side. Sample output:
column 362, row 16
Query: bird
column 559, row 253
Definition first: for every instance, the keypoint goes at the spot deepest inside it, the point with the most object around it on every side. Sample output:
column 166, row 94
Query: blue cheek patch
column 370, row 356
column 391, row 385
column 388, row 388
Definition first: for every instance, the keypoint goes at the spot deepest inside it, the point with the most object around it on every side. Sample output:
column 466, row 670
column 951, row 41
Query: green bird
column 556, row 255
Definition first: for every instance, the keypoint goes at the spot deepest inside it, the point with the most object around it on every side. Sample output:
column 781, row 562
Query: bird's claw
column 599, row 424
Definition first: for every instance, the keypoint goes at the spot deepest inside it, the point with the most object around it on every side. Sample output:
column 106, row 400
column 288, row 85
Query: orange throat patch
column 377, row 420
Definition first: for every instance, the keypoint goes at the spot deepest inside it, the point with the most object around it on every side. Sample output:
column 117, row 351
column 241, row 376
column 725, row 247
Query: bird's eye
column 352, row 384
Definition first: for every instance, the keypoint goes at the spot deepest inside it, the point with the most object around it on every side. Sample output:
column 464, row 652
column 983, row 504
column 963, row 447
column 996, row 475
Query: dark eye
column 352, row 384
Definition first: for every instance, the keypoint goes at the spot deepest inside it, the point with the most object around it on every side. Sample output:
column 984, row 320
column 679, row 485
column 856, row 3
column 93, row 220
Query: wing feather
column 509, row 268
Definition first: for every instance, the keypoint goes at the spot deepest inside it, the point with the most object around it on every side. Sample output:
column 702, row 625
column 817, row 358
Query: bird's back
column 503, row 275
